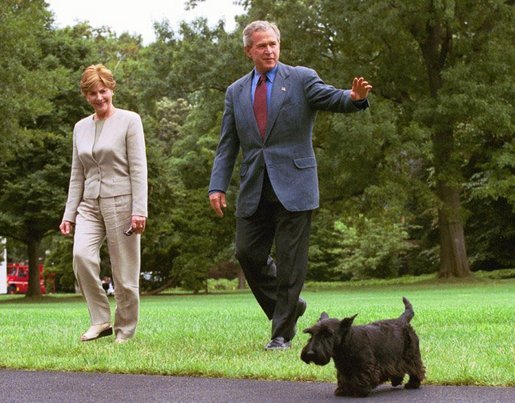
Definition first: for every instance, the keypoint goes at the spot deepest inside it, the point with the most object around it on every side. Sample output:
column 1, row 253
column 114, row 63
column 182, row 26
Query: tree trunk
column 435, row 39
column 34, row 289
column 167, row 284
column 241, row 280
column 453, row 254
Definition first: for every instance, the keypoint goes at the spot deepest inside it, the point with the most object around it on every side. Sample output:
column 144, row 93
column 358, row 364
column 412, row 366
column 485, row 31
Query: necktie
column 260, row 108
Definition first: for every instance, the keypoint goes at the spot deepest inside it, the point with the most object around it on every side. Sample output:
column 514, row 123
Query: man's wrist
column 361, row 103
column 215, row 191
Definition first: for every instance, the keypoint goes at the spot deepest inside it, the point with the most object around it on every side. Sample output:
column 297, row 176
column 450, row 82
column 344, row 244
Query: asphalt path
column 46, row 386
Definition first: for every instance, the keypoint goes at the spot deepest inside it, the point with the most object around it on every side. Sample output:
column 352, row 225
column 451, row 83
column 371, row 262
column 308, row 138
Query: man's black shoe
column 278, row 344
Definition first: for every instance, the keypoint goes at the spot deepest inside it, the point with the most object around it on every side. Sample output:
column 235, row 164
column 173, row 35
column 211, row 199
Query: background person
column 107, row 285
column 269, row 115
column 107, row 195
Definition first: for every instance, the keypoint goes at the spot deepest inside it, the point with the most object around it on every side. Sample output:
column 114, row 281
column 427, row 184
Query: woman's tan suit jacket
column 113, row 166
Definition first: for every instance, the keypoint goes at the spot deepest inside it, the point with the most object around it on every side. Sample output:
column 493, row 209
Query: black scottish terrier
column 368, row 355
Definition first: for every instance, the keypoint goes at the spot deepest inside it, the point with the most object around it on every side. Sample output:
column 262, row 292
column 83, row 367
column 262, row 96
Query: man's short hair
column 258, row 26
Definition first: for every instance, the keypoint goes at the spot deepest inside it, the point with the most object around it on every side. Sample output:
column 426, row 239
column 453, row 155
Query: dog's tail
column 408, row 313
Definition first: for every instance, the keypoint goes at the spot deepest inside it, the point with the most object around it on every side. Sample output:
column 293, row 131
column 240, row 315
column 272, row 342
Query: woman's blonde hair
column 94, row 75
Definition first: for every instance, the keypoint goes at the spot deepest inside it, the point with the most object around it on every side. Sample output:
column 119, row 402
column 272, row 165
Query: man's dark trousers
column 276, row 289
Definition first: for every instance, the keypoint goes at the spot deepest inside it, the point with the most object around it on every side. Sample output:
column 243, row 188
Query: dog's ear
column 346, row 323
column 323, row 316
column 308, row 330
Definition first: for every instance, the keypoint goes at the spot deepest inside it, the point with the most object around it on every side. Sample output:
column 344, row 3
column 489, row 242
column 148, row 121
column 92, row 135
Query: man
column 269, row 114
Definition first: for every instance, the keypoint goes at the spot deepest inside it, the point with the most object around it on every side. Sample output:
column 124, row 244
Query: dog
column 368, row 355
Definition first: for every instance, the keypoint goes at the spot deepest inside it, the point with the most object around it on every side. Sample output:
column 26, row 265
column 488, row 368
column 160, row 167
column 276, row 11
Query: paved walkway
column 44, row 386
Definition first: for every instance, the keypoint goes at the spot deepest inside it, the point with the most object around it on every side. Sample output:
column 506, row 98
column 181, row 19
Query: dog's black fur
column 368, row 355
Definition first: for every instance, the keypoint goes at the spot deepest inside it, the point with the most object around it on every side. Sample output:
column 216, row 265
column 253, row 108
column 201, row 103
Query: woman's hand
column 138, row 223
column 66, row 228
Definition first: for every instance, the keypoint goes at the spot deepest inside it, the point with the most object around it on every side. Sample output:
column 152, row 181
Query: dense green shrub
column 360, row 247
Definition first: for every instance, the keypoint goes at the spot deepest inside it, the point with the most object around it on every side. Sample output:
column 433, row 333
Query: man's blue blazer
column 287, row 151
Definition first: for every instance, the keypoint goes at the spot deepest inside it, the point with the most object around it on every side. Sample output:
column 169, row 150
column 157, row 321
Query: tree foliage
column 31, row 156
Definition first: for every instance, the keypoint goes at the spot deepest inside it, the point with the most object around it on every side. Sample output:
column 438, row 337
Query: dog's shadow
column 384, row 393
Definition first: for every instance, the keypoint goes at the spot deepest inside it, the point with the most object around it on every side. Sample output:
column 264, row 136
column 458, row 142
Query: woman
column 107, row 198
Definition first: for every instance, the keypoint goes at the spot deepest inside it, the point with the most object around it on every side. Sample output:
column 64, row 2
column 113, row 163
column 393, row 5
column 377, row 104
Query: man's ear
column 246, row 50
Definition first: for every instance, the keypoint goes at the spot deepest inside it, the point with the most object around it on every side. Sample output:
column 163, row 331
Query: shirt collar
column 270, row 75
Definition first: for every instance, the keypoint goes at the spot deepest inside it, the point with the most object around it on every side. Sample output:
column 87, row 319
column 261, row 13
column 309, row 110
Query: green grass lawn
column 466, row 333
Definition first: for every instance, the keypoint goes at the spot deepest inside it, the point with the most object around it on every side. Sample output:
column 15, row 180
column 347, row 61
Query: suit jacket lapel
column 279, row 89
column 246, row 103
column 89, row 137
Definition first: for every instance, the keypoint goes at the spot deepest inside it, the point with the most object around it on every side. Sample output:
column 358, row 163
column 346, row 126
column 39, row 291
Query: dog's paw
column 340, row 392
column 412, row 384
column 353, row 392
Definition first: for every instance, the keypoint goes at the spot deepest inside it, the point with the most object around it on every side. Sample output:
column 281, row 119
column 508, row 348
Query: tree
column 452, row 38
column 26, row 85
column 34, row 178
column 31, row 157
column 33, row 194
column 188, row 74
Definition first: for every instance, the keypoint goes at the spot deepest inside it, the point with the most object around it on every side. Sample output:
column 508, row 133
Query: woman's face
column 101, row 99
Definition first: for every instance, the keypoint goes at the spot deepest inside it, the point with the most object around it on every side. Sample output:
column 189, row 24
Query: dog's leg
column 364, row 382
column 413, row 383
column 360, row 391
column 340, row 390
column 357, row 386
column 397, row 380
column 416, row 375
column 416, row 370
column 349, row 387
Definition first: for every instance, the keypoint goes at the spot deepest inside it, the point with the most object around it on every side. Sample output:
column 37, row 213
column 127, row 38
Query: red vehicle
column 18, row 278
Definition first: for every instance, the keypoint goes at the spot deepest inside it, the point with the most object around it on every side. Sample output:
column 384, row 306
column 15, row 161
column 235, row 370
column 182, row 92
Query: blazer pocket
column 308, row 162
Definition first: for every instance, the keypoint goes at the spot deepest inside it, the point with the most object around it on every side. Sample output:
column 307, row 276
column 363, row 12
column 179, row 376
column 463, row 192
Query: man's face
column 264, row 51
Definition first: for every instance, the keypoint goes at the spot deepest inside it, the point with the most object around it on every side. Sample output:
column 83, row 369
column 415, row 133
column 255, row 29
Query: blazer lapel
column 88, row 137
column 279, row 90
column 246, row 103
